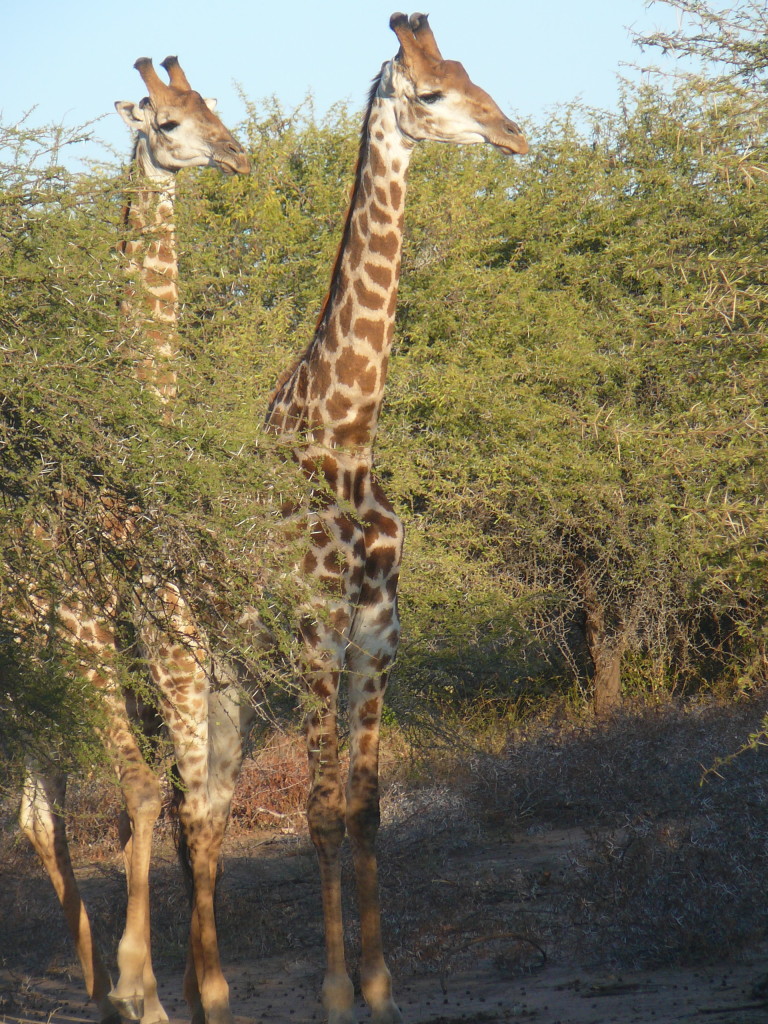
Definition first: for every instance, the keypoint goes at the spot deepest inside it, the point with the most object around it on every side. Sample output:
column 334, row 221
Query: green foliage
column 46, row 711
column 581, row 382
column 96, row 492
column 573, row 333
column 575, row 418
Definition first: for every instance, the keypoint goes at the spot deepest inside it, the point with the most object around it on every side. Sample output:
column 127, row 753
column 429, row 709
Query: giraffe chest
column 356, row 538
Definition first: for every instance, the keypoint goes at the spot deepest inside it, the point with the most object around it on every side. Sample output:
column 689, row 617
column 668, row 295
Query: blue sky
column 72, row 60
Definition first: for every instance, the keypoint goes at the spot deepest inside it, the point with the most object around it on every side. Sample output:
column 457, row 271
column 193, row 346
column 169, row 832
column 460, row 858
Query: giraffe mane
column 325, row 309
column 282, row 380
column 125, row 213
column 362, row 152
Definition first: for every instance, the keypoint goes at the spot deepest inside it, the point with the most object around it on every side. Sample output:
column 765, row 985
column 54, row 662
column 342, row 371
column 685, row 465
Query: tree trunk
column 605, row 655
column 607, row 681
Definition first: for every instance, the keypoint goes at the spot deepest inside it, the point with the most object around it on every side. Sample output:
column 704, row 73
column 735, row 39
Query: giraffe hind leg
column 362, row 824
column 229, row 721
column 371, row 651
column 134, row 995
column 42, row 821
column 146, row 1008
column 325, row 816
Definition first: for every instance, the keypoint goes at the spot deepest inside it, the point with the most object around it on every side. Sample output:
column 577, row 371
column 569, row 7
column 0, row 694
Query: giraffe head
column 177, row 126
column 436, row 99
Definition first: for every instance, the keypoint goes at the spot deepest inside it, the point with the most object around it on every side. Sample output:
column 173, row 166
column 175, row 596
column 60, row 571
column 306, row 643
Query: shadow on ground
column 585, row 874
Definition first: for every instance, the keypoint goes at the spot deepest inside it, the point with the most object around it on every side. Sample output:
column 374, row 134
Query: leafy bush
column 575, row 418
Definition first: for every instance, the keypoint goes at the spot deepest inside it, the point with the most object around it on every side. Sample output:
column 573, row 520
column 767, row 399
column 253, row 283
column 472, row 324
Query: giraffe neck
column 334, row 393
column 150, row 298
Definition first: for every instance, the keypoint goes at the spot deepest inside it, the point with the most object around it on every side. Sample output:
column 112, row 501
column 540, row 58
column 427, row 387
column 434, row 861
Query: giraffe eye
column 168, row 126
column 430, row 97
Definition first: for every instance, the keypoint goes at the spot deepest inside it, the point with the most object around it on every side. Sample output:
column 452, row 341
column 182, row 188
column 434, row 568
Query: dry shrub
column 681, row 891
column 673, row 858
column 272, row 787
column 93, row 807
column 567, row 768
column 582, row 842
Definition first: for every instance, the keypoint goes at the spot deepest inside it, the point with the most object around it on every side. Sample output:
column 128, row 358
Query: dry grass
column 272, row 787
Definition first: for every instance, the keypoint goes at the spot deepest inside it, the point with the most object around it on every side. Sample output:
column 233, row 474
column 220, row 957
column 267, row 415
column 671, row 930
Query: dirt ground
column 582, row 877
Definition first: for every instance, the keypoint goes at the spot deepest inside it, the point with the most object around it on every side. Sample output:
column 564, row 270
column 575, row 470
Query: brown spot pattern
column 387, row 245
column 380, row 214
column 380, row 275
column 370, row 330
column 366, row 297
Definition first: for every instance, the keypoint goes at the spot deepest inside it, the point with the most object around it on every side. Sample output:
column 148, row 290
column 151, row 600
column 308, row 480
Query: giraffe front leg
column 91, row 630
column 229, row 721
column 372, row 650
column 325, row 816
column 42, row 820
column 152, row 1009
column 135, row 994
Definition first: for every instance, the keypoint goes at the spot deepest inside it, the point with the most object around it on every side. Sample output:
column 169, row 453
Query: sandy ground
column 533, row 885
column 282, row 988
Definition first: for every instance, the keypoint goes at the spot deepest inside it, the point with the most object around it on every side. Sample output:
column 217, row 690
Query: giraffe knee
column 40, row 813
column 363, row 819
column 39, row 830
column 150, row 801
column 325, row 817
column 143, row 803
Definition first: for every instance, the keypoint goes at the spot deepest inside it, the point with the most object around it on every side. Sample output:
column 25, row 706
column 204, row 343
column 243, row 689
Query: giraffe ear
column 131, row 113
column 211, row 104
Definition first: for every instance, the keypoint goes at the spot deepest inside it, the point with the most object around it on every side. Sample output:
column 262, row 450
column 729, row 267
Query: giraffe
column 173, row 128
column 329, row 402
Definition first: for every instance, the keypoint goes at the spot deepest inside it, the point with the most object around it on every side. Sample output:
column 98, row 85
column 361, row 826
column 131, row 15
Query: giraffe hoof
column 388, row 1014
column 130, row 1008
column 339, row 999
column 341, row 1016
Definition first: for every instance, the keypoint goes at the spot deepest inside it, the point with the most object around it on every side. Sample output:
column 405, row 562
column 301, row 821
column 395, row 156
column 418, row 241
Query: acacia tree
column 726, row 59
column 574, row 418
column 731, row 41
column 96, row 492
column 600, row 424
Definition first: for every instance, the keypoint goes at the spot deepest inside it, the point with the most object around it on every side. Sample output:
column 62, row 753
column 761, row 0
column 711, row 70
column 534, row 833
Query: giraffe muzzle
column 510, row 141
column 233, row 161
